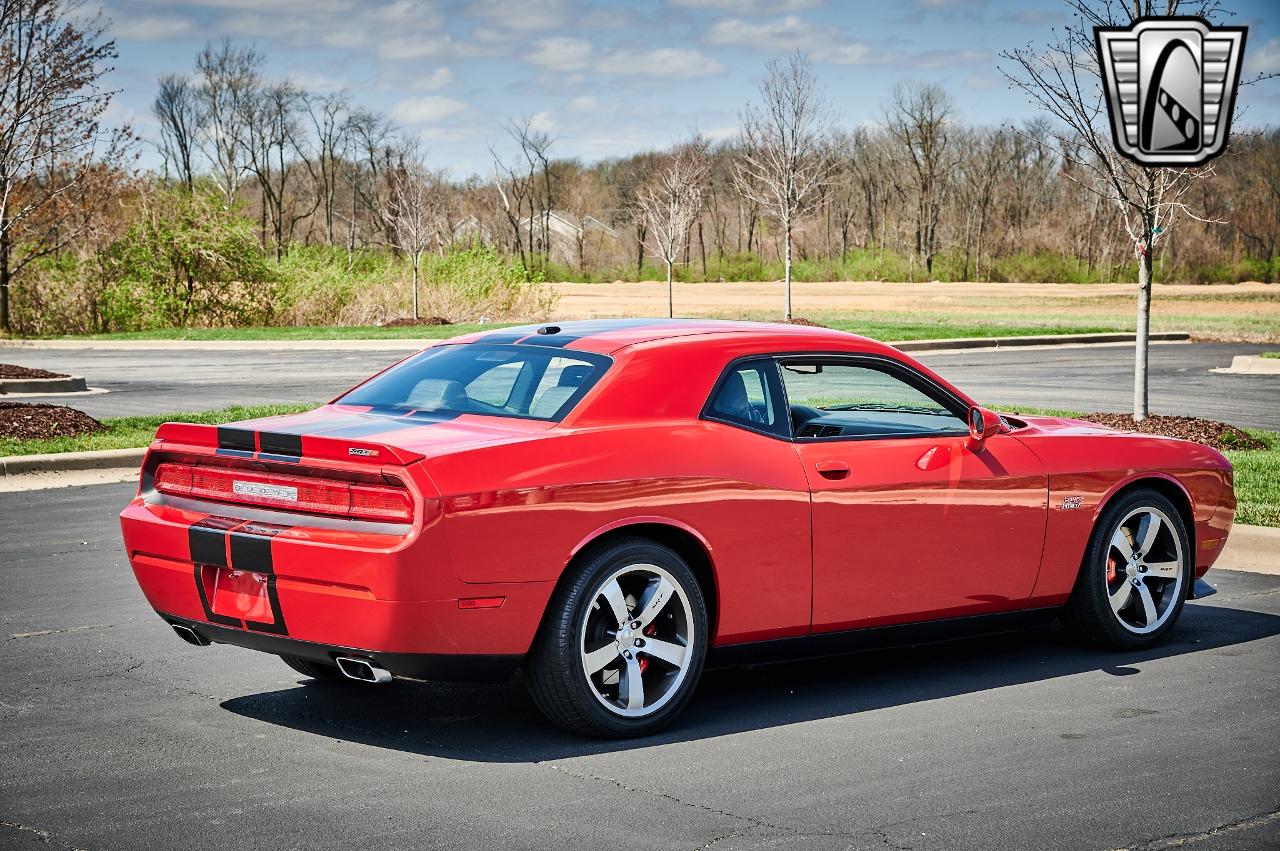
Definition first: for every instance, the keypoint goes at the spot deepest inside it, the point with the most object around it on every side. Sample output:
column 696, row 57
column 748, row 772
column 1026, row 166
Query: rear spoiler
column 238, row 442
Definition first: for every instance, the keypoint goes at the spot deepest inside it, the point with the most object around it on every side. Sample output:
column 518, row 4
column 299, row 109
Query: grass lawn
column 132, row 432
column 1258, row 480
column 1275, row 355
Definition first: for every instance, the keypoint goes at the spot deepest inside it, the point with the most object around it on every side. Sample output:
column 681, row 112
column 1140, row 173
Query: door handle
column 832, row 469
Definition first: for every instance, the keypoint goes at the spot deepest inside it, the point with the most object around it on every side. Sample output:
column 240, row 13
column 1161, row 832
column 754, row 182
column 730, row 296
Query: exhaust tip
column 363, row 670
column 189, row 635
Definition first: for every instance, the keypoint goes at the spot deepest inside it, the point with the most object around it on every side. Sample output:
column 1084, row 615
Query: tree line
column 914, row 192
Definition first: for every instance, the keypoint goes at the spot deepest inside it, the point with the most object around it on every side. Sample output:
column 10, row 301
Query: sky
column 608, row 79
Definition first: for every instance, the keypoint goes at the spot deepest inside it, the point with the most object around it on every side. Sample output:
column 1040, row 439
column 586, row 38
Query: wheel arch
column 1165, row 485
column 686, row 541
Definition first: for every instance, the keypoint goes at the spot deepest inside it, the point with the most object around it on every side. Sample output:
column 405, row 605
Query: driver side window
column 840, row 399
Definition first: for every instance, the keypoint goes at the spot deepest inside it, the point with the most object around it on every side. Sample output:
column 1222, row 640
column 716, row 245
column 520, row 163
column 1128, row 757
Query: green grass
column 1275, row 355
column 1258, row 480
column 132, row 432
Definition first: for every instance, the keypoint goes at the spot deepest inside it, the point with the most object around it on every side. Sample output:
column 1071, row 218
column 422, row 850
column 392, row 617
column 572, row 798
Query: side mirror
column 983, row 424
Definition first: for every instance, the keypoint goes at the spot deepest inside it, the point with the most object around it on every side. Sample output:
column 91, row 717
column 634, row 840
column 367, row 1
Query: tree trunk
column 415, row 288
column 787, row 273
column 671, row 298
column 1140, row 409
column 6, row 279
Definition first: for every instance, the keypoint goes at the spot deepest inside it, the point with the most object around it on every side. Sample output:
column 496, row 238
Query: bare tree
column 1062, row 78
column 414, row 214
column 329, row 114
column 671, row 201
column 230, row 78
column 784, row 161
column 177, row 110
column 919, row 118
column 274, row 151
column 51, row 105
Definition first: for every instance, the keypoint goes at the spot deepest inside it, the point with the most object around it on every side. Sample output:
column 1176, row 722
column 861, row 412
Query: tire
column 1132, row 582
column 315, row 670
column 581, row 630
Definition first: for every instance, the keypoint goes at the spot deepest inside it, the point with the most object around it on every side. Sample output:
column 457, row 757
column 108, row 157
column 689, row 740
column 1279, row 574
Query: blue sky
column 611, row 78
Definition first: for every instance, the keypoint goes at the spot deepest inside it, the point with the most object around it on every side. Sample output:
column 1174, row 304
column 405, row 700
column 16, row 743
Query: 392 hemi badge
column 261, row 489
column 362, row 452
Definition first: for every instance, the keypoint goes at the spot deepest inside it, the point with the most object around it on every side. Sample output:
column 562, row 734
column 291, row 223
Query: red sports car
column 612, row 504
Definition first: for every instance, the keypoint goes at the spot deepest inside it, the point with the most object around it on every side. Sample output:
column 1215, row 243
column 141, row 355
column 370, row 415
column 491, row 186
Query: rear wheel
column 1136, row 573
column 315, row 670
column 623, row 643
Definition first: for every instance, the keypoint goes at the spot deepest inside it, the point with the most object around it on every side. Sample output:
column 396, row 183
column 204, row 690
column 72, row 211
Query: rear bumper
column 467, row 668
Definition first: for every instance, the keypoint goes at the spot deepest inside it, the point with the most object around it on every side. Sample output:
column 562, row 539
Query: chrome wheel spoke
column 1148, row 530
column 667, row 651
column 1120, row 543
column 612, row 593
column 632, row 688
column 655, row 599
column 1148, row 604
column 1163, row 569
column 599, row 659
column 1120, row 596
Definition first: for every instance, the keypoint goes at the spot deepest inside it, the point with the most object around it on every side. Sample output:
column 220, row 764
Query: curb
column 1251, row 365
column 60, row 462
column 413, row 344
column 69, row 384
column 1039, row 340
column 1255, row 549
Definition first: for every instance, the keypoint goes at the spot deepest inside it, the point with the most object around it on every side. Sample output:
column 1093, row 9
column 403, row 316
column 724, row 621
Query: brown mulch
column 800, row 320
column 27, row 422
column 1209, row 432
column 8, row 370
column 408, row 321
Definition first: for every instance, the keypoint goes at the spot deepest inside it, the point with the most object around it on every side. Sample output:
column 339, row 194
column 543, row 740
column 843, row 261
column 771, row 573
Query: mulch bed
column 1209, row 432
column 8, row 370
column 27, row 422
column 425, row 320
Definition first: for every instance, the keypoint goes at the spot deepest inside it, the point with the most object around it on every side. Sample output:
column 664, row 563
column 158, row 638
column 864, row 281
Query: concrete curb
column 69, row 384
column 1040, row 340
column 410, row 344
column 1252, row 548
column 1251, row 365
column 59, row 462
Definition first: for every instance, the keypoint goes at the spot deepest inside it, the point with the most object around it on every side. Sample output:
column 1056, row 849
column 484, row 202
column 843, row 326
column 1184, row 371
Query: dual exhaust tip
column 352, row 667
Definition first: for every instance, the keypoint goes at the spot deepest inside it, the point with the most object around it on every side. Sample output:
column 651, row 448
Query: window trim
column 881, row 363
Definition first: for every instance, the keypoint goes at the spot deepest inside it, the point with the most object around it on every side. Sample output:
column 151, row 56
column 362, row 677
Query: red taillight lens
column 294, row 493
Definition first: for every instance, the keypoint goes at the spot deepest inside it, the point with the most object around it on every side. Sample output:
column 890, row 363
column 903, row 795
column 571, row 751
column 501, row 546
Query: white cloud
column 982, row 82
column 150, row 27
column 425, row 110
column 527, row 16
column 543, row 122
column 561, row 54
column 1265, row 59
column 786, row 33
column 430, row 45
column 434, row 81
column 749, row 7
column 588, row 103
column 663, row 62
column 828, row 44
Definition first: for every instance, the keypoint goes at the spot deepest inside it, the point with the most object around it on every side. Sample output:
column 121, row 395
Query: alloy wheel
column 1145, row 570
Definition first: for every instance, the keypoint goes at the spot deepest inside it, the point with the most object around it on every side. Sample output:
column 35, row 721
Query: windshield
column 531, row 382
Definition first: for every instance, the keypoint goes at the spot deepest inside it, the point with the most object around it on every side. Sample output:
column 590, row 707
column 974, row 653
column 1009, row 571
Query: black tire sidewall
column 1092, row 613
column 579, row 598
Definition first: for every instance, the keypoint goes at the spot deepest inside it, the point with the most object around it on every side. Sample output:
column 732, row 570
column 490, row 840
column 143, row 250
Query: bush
column 188, row 260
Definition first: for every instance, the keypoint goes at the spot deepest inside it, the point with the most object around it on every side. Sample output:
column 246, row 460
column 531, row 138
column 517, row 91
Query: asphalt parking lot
column 1087, row 378
column 117, row 735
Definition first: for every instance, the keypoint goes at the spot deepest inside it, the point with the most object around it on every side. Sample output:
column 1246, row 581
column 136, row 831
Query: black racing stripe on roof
column 574, row 331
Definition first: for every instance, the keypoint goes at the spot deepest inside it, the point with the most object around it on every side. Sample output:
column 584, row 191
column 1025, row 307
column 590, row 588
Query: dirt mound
column 407, row 322
column 8, row 370
column 800, row 320
column 27, row 422
column 1209, row 432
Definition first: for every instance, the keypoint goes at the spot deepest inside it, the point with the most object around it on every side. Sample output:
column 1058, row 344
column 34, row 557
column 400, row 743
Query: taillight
column 295, row 493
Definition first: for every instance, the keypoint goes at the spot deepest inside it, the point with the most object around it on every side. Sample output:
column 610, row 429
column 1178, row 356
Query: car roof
column 605, row 336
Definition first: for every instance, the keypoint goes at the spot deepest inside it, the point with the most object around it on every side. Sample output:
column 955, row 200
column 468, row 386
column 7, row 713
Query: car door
column 909, row 523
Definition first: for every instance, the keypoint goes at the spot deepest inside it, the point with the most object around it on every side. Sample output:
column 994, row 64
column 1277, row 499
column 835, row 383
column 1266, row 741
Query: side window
column 493, row 387
column 749, row 396
column 852, row 400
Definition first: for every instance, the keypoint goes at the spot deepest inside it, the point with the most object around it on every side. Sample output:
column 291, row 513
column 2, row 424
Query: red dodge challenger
column 612, row 504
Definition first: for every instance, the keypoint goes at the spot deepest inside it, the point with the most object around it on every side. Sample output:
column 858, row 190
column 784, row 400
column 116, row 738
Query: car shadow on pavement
column 499, row 723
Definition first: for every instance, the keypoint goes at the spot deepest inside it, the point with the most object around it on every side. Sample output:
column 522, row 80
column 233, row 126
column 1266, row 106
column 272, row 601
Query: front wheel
column 1136, row 573
column 623, row 642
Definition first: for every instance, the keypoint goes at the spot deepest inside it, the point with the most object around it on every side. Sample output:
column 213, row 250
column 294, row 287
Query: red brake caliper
column 651, row 630
column 1111, row 570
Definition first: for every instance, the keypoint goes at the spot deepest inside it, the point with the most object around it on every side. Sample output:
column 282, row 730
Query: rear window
column 531, row 382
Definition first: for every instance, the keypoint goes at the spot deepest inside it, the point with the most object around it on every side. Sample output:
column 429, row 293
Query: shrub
column 187, row 260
